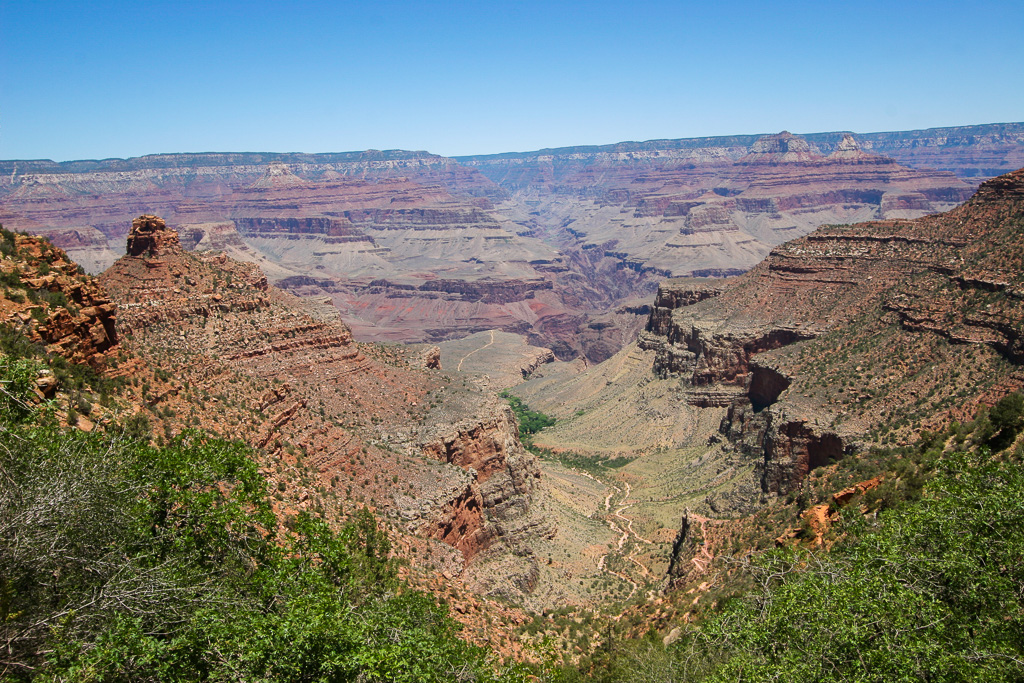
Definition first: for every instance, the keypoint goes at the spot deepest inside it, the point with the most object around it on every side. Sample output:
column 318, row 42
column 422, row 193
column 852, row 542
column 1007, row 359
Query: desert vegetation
column 126, row 561
column 921, row 582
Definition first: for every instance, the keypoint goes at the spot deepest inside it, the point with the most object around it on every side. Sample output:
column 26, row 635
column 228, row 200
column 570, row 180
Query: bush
column 120, row 562
column 935, row 593
column 1007, row 417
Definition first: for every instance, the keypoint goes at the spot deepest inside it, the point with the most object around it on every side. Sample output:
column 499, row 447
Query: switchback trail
column 625, row 530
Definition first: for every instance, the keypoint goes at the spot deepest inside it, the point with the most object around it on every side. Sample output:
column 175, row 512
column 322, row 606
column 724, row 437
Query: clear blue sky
column 104, row 79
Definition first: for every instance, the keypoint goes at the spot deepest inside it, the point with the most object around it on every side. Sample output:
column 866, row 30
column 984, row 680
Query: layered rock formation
column 973, row 153
column 708, row 207
column 405, row 257
column 854, row 303
column 850, row 337
column 47, row 299
column 245, row 359
column 86, row 205
column 407, row 246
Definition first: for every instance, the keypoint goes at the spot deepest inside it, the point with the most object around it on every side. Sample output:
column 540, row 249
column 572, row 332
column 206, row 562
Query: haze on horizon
column 118, row 79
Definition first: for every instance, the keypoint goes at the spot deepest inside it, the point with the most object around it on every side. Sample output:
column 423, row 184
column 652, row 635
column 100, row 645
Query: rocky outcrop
column 676, row 294
column 48, row 299
column 459, row 521
column 694, row 549
column 942, row 275
column 150, row 237
column 329, row 229
column 792, row 448
column 971, row 152
column 782, row 148
column 379, row 423
column 482, row 446
column 708, row 353
column 503, row 478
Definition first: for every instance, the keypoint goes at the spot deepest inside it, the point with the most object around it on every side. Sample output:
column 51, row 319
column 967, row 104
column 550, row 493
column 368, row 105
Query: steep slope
column 848, row 338
column 238, row 357
column 871, row 321
column 48, row 300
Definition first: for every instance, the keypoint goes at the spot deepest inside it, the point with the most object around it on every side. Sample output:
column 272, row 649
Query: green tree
column 1007, row 417
column 120, row 561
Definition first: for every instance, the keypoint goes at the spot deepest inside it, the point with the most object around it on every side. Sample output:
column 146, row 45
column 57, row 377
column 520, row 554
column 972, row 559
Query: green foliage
column 71, row 376
column 16, row 345
column 11, row 279
column 530, row 421
column 120, row 561
column 934, row 591
column 587, row 463
column 7, row 243
column 17, row 377
column 1007, row 418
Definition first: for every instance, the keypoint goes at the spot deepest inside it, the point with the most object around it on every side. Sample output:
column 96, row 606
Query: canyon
column 713, row 323
column 838, row 343
column 562, row 246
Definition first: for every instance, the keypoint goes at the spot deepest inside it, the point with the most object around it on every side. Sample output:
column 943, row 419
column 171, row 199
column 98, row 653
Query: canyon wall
column 849, row 302
column 411, row 246
column 703, row 209
column 249, row 361
column 849, row 338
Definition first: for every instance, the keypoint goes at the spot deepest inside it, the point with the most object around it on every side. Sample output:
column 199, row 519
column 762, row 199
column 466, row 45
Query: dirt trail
column 626, row 530
column 475, row 350
column 629, row 522
column 705, row 558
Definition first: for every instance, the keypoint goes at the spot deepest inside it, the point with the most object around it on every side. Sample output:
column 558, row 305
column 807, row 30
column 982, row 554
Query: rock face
column 150, row 237
column 409, row 246
column 48, row 299
column 794, row 331
column 783, row 148
column 417, row 257
column 849, row 337
column 971, row 152
column 377, row 423
column 706, row 207
column 506, row 476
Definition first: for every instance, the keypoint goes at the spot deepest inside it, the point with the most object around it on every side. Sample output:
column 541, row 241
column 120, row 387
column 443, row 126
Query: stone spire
column 150, row 236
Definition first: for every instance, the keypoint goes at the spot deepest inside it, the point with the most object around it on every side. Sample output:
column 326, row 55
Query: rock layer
column 953, row 276
column 358, row 415
column 48, row 300
column 585, row 229
column 708, row 207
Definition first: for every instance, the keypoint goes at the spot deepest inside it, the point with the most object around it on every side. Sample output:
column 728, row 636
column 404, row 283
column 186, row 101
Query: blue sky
column 115, row 79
